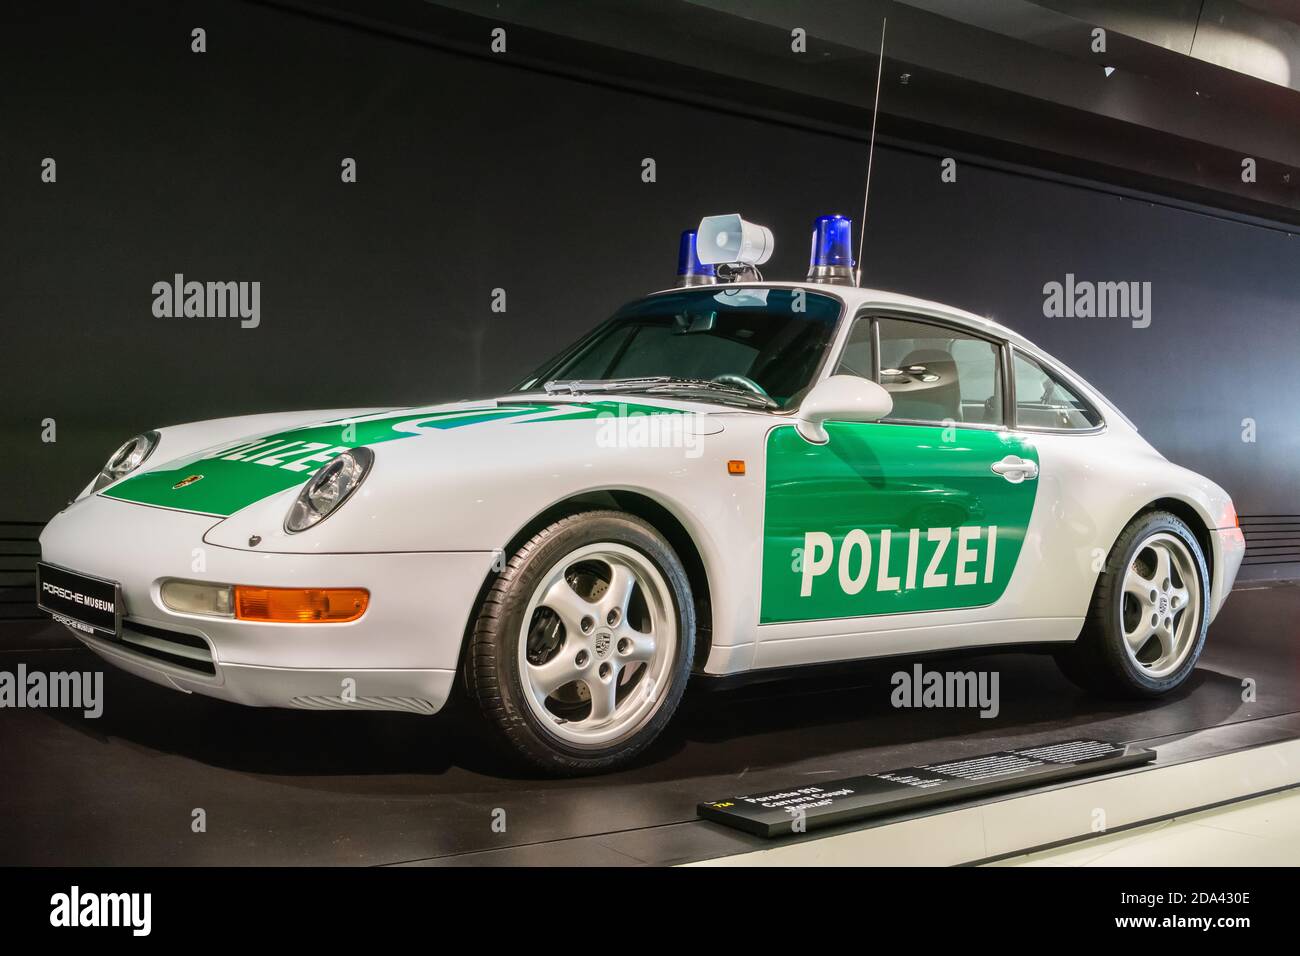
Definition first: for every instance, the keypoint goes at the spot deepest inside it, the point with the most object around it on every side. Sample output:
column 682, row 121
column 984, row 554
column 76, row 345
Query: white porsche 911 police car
column 724, row 476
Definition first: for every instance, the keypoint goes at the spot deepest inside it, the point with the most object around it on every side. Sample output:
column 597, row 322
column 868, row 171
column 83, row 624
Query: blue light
column 832, row 243
column 688, row 262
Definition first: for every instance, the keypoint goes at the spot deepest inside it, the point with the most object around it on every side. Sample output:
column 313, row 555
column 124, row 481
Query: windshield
column 717, row 341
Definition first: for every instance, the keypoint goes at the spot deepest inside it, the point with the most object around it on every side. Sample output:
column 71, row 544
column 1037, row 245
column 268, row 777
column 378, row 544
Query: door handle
column 1015, row 469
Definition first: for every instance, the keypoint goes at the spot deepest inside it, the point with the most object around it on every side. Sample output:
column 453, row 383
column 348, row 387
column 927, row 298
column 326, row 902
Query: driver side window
column 939, row 374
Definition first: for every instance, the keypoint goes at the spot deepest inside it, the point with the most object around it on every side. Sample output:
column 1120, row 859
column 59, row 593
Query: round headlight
column 328, row 489
column 127, row 459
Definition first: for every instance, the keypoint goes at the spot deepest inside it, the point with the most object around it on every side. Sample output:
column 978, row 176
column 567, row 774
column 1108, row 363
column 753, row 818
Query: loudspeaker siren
column 730, row 239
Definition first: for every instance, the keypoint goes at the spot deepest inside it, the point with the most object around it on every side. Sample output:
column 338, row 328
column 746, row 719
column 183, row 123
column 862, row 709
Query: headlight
column 127, row 459
column 194, row 597
column 328, row 489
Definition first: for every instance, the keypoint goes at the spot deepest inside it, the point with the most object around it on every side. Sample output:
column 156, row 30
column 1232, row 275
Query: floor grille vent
column 1271, row 539
column 19, row 552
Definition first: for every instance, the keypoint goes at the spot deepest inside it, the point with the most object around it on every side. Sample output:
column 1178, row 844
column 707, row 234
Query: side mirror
column 841, row 398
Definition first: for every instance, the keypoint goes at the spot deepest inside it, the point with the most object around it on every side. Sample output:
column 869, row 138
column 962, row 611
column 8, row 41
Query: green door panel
column 884, row 519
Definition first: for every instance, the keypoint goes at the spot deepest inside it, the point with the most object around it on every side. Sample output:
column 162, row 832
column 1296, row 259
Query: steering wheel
column 743, row 381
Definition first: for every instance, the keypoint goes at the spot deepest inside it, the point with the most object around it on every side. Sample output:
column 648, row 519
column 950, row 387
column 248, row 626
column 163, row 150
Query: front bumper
column 402, row 654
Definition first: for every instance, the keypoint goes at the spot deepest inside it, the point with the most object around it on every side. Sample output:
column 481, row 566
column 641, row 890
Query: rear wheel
column 1147, row 622
column 583, row 646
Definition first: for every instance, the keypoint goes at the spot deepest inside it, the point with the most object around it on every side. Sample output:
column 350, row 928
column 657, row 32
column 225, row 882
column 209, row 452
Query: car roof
column 856, row 298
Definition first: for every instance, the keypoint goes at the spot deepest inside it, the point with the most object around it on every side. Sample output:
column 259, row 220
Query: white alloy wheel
column 1161, row 604
column 598, row 641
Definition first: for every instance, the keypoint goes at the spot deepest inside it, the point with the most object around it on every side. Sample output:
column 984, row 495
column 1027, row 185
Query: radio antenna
column 871, row 153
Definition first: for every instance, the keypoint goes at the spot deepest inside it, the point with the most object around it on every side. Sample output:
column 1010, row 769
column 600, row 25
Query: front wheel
column 583, row 645
column 1149, row 614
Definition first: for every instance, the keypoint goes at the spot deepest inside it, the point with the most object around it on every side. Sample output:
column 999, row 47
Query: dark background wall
column 475, row 173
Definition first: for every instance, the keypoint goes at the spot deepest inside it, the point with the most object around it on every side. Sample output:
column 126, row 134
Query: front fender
column 456, row 491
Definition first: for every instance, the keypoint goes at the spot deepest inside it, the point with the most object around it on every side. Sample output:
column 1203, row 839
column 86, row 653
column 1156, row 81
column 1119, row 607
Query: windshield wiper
column 657, row 384
column 710, row 386
column 576, row 386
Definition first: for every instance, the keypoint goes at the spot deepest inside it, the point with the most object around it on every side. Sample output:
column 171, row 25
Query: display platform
column 287, row 787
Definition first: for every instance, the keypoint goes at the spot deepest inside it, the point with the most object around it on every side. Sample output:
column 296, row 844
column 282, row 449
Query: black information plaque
column 802, row 808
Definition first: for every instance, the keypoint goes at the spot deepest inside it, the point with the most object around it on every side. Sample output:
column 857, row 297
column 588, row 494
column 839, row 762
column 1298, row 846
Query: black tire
column 492, row 671
column 1099, row 661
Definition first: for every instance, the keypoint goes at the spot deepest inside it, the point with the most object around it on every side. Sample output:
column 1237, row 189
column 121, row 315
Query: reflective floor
column 1264, row 831
column 288, row 787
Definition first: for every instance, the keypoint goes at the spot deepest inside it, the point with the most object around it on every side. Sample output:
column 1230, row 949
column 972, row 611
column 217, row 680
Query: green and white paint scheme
column 876, row 538
column 231, row 478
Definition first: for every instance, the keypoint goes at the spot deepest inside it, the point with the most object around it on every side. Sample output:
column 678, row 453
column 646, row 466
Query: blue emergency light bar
column 832, row 242
column 690, row 271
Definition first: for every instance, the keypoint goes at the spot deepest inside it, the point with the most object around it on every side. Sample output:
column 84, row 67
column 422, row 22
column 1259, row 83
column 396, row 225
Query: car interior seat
column 926, row 387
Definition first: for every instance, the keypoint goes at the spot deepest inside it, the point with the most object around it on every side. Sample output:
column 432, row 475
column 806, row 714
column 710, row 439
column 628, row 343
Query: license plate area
column 83, row 602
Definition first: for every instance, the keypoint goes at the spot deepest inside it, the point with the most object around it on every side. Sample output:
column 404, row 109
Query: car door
column 924, row 511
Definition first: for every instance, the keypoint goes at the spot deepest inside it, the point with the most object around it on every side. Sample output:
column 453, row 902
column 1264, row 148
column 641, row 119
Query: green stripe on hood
column 247, row 471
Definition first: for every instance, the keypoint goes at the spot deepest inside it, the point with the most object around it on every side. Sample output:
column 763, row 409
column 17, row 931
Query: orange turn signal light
column 300, row 605
column 736, row 466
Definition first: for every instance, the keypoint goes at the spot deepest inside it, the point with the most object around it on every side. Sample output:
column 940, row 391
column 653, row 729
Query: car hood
column 225, row 478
